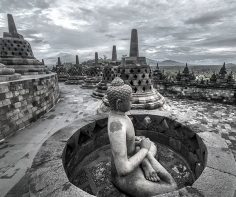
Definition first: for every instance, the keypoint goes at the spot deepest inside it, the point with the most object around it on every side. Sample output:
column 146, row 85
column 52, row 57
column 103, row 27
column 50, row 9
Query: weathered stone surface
column 184, row 192
column 8, row 74
column 218, row 117
column 219, row 155
column 197, row 188
column 25, row 100
column 213, row 183
column 51, row 180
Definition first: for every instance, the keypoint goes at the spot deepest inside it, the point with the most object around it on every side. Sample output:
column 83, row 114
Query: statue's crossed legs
column 149, row 179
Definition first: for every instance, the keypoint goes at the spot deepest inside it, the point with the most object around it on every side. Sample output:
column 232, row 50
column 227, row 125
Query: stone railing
column 24, row 101
column 221, row 94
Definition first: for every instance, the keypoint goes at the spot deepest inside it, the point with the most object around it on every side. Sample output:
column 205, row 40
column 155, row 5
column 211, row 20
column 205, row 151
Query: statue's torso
column 130, row 137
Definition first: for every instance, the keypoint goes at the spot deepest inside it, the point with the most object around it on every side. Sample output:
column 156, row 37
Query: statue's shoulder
column 116, row 124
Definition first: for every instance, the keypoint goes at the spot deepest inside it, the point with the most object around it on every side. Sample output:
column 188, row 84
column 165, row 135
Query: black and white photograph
column 108, row 98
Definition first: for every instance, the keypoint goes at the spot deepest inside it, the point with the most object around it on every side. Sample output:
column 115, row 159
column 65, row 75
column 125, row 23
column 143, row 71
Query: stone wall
column 221, row 95
column 24, row 101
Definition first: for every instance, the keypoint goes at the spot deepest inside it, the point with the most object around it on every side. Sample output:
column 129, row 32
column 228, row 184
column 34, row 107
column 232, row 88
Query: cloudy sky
column 194, row 31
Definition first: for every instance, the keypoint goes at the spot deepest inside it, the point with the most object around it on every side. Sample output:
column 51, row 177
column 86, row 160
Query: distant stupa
column 94, row 74
column 108, row 74
column 75, row 73
column 135, row 72
column 114, row 54
column 134, row 51
column 96, row 58
column 77, row 60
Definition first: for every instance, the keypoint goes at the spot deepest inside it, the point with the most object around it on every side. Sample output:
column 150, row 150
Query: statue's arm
column 124, row 165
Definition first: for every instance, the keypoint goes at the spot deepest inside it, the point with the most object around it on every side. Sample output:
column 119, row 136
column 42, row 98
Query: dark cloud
column 208, row 18
column 219, row 42
column 197, row 31
column 12, row 5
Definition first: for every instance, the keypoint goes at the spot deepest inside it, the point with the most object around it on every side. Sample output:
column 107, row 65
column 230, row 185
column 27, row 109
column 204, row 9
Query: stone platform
column 205, row 152
column 76, row 80
column 18, row 151
column 109, row 73
column 101, row 90
column 90, row 83
column 29, row 69
column 12, row 77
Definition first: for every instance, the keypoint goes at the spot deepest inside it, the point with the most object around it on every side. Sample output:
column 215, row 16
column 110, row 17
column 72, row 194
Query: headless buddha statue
column 134, row 170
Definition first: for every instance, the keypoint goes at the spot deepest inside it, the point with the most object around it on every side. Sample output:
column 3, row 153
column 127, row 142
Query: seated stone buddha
column 134, row 169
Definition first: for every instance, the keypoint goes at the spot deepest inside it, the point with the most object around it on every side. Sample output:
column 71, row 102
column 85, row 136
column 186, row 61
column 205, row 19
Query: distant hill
column 170, row 63
column 164, row 63
column 65, row 58
column 151, row 62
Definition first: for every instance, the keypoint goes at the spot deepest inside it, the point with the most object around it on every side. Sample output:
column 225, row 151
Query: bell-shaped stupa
column 135, row 72
column 109, row 73
column 75, row 73
column 16, row 52
column 94, row 75
column 61, row 71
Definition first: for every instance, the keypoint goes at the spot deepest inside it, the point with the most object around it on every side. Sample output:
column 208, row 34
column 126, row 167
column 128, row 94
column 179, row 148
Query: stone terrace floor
column 18, row 151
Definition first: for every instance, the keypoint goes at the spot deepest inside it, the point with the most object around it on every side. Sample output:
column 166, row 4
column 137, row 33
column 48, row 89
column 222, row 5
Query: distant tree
column 223, row 71
column 186, row 70
column 230, row 78
column 202, row 81
column 178, row 76
column 213, row 78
